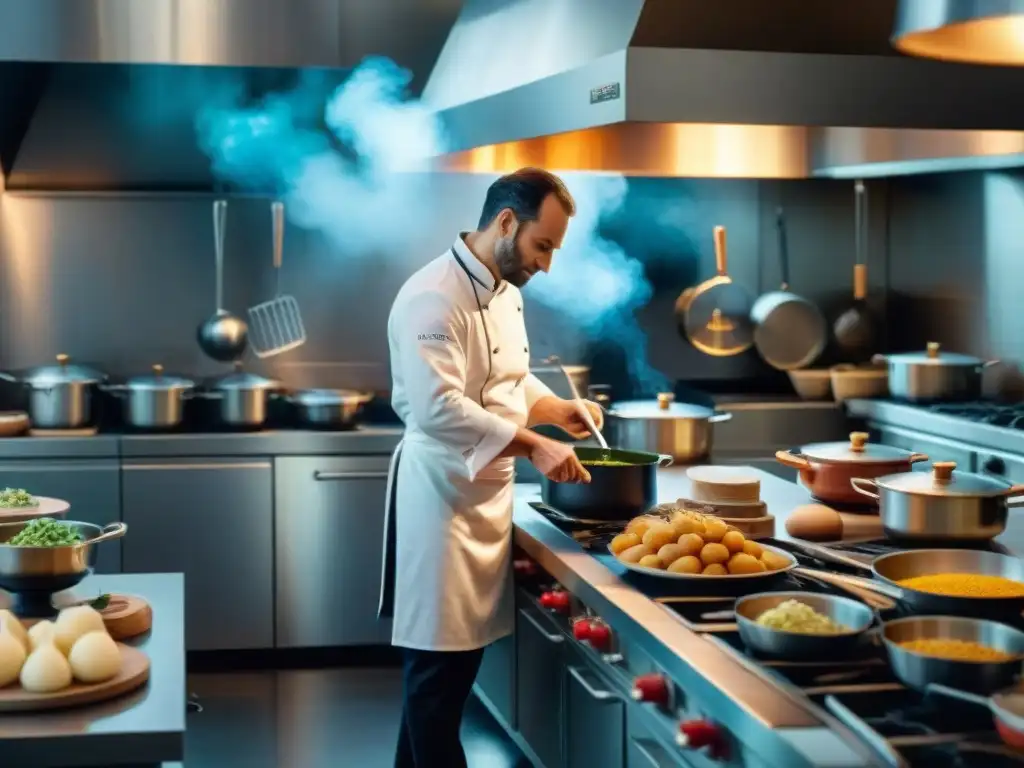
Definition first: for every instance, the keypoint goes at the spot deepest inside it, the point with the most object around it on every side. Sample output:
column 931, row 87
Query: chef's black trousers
column 437, row 686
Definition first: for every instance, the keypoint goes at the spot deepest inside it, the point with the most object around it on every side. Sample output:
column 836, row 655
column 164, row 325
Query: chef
column 460, row 364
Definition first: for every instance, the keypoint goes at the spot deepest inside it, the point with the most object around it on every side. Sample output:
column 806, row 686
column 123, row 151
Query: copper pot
column 827, row 468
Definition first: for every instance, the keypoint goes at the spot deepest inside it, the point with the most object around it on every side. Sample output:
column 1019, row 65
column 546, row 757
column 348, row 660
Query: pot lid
column 933, row 355
column 664, row 407
column 855, row 450
column 944, row 481
column 61, row 373
column 315, row 397
column 159, row 380
column 239, row 379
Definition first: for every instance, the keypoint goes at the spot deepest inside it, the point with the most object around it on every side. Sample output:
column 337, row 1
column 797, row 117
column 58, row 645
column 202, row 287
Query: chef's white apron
column 449, row 511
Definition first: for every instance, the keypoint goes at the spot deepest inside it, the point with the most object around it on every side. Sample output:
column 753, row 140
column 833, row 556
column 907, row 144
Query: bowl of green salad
column 41, row 556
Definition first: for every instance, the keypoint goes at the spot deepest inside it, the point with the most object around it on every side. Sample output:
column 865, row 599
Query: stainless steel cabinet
column 496, row 680
column 211, row 519
column 595, row 719
column 329, row 523
column 91, row 486
column 540, row 668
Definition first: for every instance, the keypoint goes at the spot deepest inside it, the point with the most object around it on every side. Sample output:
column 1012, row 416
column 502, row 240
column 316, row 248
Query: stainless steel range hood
column 103, row 94
column 733, row 88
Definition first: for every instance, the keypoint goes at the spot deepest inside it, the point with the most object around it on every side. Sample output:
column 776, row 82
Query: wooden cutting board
column 134, row 673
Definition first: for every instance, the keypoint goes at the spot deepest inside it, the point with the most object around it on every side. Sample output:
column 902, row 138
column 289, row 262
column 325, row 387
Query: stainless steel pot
column 328, row 408
column 154, row 401
column 681, row 430
column 59, row 396
column 243, row 398
column 941, row 505
column 934, row 375
column 554, row 376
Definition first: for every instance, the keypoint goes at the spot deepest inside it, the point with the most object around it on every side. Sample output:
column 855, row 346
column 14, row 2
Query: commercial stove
column 902, row 727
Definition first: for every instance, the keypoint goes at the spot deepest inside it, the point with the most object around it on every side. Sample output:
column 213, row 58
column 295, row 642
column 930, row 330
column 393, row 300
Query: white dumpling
column 12, row 657
column 74, row 622
column 41, row 633
column 95, row 657
column 45, row 670
column 11, row 623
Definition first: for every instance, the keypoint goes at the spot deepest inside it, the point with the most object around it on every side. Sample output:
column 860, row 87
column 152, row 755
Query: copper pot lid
column 933, row 355
column 943, row 480
column 663, row 407
column 857, row 450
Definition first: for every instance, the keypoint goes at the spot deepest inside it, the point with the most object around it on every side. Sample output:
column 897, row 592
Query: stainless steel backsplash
column 123, row 281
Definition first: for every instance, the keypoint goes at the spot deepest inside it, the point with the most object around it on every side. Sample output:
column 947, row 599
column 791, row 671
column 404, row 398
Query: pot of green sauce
column 623, row 484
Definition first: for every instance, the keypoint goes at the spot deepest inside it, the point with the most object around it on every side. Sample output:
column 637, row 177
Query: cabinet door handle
column 325, row 476
column 594, row 692
column 551, row 637
column 656, row 756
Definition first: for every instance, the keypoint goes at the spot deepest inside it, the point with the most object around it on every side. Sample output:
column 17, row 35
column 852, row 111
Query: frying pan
column 855, row 329
column 789, row 331
column 715, row 315
column 1007, row 710
column 918, row 671
column 888, row 570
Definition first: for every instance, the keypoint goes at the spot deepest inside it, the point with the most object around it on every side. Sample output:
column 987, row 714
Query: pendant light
column 964, row 31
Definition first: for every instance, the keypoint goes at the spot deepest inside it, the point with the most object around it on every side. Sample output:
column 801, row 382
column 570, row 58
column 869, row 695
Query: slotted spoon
column 275, row 326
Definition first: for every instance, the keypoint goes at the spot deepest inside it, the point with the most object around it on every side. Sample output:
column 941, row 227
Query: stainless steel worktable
column 146, row 727
column 783, row 729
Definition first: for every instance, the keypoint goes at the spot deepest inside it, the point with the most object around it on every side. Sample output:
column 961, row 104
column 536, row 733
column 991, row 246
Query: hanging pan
column 715, row 315
column 855, row 329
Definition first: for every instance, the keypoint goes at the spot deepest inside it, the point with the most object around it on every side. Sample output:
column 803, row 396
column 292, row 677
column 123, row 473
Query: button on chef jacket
column 461, row 394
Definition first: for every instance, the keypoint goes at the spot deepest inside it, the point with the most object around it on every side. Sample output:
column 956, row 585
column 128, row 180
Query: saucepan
column 623, row 484
column 1007, row 710
column 891, row 571
column 934, row 376
column 919, row 671
column 941, row 505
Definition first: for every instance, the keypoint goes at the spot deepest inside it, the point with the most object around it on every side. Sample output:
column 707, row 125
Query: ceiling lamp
column 966, row 31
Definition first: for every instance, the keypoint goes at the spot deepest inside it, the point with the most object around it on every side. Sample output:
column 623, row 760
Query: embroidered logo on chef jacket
column 434, row 337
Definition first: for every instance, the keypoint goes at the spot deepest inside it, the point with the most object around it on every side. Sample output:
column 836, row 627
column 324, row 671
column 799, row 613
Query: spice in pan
column 955, row 650
column 965, row 585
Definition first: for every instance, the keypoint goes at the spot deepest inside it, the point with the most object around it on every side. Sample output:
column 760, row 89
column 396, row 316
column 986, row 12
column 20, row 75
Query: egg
column 45, row 670
column 12, row 657
column 74, row 622
column 815, row 522
column 12, row 624
column 95, row 657
column 40, row 633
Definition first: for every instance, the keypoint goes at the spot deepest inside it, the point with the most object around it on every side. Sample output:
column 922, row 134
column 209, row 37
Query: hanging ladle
column 223, row 336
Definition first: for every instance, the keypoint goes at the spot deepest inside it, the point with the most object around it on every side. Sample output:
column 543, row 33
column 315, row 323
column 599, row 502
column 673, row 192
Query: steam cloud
column 348, row 158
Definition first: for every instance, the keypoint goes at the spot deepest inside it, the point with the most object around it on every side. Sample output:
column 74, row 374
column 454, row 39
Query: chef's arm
column 539, row 397
column 431, row 339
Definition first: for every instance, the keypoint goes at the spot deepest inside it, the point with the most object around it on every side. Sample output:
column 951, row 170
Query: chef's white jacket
column 460, row 365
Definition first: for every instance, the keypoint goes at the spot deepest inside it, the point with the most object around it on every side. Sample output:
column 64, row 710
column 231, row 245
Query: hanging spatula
column 275, row 326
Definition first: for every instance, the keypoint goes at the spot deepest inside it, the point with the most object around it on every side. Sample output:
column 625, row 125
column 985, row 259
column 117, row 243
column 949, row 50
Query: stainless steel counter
column 142, row 728
column 365, row 441
column 781, row 730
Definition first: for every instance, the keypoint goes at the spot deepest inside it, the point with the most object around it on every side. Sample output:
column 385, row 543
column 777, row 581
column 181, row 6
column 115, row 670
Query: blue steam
column 347, row 157
column 594, row 283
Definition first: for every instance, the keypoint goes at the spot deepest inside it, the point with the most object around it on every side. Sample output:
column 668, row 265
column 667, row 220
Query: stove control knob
column 524, row 568
column 698, row 734
column 556, row 600
column 994, row 466
column 581, row 629
column 651, row 689
column 600, row 636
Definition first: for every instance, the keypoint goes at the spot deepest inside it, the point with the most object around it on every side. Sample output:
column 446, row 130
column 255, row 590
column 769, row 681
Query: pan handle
column 956, row 693
column 721, row 260
column 1016, row 497
column 718, row 418
column 861, row 485
column 799, row 463
column 828, row 555
column 111, row 531
column 918, row 457
column 664, row 460
column 843, row 581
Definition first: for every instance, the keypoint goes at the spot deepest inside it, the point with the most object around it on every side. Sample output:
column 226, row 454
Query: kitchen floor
column 317, row 719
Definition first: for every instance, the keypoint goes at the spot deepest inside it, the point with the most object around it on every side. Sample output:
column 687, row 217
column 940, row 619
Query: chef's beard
column 509, row 260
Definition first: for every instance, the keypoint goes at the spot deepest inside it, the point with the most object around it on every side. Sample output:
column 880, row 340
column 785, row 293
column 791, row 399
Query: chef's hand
column 558, row 462
column 573, row 421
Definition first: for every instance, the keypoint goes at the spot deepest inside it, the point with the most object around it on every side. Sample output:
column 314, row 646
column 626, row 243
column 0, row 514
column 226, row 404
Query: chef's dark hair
column 523, row 192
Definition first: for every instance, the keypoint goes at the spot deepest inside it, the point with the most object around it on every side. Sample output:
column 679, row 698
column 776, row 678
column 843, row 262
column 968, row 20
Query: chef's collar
column 484, row 282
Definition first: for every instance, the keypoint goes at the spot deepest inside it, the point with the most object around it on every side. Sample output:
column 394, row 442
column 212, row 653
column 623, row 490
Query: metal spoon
column 580, row 405
column 223, row 336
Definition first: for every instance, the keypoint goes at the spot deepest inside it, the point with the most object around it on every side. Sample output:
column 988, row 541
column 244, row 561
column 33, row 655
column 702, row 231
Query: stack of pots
column 827, row 469
column 683, row 431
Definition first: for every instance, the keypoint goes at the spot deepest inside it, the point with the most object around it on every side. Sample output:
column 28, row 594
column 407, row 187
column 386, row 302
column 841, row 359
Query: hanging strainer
column 275, row 326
